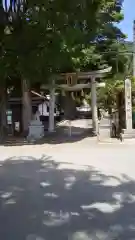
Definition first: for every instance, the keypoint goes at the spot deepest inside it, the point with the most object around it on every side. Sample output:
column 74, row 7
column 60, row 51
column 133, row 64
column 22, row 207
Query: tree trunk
column 26, row 106
column 3, row 116
column 51, row 110
column 69, row 107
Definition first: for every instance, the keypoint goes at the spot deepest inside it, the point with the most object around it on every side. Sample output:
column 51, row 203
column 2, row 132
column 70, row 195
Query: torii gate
column 70, row 83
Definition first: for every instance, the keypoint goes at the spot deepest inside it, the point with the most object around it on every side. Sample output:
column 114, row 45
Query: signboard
column 71, row 79
column 128, row 104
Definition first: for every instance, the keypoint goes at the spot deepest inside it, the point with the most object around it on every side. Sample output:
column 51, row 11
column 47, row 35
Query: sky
column 129, row 16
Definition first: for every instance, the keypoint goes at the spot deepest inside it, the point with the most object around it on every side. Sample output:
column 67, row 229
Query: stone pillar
column 129, row 132
column 134, row 49
column 94, row 105
column 128, row 104
column 51, row 110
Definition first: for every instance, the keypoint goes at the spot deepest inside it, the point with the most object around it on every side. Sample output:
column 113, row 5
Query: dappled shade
column 63, row 201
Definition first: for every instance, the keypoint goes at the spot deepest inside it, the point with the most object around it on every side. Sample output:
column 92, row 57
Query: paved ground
column 77, row 127
column 78, row 191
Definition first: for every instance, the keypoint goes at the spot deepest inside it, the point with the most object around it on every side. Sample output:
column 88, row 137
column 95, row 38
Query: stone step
column 128, row 134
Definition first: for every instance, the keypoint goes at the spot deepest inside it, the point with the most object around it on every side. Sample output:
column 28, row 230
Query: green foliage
column 55, row 36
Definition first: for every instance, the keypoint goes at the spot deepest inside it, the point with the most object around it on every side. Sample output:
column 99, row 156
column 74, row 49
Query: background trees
column 41, row 39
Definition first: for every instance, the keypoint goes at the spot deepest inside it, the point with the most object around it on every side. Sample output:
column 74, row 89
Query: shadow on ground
column 61, row 136
column 63, row 201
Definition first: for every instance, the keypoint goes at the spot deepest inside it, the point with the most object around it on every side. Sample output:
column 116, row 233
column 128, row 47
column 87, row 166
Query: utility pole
column 134, row 49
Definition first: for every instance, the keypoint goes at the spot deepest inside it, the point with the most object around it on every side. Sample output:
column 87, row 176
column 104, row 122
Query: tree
column 61, row 39
column 57, row 40
column 9, row 20
column 50, row 37
column 122, row 68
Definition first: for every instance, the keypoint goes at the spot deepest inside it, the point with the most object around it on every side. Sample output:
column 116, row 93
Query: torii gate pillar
column 94, row 105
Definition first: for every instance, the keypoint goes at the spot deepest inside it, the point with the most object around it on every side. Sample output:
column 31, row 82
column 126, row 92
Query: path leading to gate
column 76, row 191
column 79, row 126
column 79, row 123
